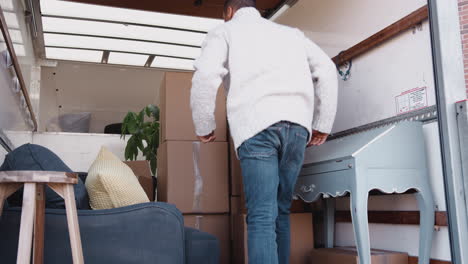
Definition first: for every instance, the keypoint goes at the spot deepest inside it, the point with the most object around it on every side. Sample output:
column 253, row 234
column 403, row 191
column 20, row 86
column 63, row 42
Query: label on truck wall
column 411, row 100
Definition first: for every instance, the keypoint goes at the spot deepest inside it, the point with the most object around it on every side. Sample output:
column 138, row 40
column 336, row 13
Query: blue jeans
column 271, row 162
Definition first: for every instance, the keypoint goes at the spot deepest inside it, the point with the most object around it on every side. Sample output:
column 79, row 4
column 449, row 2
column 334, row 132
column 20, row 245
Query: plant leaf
column 131, row 124
column 145, row 135
column 154, row 110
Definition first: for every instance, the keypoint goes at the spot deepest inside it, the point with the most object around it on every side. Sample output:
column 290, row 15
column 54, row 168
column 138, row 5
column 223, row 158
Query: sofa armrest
column 201, row 247
column 143, row 233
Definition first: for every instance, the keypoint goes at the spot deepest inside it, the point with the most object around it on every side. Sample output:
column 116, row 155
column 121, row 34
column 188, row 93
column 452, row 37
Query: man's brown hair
column 238, row 4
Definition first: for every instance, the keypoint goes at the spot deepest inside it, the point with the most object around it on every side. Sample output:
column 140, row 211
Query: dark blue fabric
column 201, row 247
column 3, row 167
column 144, row 233
column 38, row 158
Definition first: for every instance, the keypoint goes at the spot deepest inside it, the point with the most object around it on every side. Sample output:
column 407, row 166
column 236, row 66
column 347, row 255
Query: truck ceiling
column 200, row 8
column 162, row 34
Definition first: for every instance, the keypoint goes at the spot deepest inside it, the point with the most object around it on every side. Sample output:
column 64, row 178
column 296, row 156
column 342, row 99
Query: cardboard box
column 239, row 239
column 349, row 255
column 176, row 114
column 217, row 225
column 194, row 176
column 302, row 239
column 235, row 171
column 142, row 171
column 238, row 206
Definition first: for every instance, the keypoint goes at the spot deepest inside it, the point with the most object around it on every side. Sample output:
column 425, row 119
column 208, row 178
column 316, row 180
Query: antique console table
column 390, row 159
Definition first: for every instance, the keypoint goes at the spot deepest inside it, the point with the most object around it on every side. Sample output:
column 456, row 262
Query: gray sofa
column 143, row 233
column 140, row 234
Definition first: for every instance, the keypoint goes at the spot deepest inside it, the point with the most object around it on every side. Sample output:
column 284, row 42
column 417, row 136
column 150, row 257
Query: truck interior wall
column 108, row 92
column 13, row 114
column 336, row 25
column 77, row 150
column 20, row 33
column 377, row 78
column 15, row 138
column 3, row 153
column 11, row 117
column 380, row 75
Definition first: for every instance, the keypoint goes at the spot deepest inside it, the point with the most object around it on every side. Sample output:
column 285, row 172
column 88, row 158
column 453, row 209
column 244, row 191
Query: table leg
column 426, row 227
column 361, row 225
column 329, row 222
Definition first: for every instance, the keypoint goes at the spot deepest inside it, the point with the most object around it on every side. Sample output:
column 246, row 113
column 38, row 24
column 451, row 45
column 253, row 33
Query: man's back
column 266, row 57
column 270, row 70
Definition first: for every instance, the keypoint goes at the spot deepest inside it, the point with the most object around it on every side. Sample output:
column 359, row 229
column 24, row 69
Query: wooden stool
column 33, row 212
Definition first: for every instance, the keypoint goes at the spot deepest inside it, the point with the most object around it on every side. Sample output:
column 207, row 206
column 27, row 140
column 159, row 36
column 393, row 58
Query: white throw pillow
column 112, row 184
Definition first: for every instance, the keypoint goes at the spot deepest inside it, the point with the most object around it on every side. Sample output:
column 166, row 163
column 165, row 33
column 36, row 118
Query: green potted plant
column 144, row 130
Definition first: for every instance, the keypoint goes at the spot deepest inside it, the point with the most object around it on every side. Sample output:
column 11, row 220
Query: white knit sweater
column 271, row 72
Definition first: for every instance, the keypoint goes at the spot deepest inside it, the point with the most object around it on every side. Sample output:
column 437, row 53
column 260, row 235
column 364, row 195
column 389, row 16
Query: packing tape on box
column 198, row 222
column 198, row 186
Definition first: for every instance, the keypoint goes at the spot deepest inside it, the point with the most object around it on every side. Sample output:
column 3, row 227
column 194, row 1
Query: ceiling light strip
column 158, row 55
column 126, row 23
column 121, row 30
column 119, row 38
column 74, row 55
column 128, row 46
column 90, row 11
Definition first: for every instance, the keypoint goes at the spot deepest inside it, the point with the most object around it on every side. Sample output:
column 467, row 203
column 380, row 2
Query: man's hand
column 318, row 138
column 208, row 138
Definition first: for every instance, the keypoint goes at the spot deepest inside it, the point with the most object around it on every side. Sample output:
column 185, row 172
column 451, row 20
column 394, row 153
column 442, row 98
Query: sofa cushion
column 112, row 184
column 32, row 157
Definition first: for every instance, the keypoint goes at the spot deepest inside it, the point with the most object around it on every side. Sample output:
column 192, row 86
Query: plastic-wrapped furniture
column 390, row 159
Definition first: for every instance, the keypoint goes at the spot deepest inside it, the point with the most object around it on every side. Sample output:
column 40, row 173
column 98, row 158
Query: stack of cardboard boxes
column 192, row 175
column 142, row 170
column 204, row 181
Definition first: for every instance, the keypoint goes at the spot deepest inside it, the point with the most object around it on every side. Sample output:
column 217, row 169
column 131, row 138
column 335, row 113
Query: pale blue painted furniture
column 390, row 159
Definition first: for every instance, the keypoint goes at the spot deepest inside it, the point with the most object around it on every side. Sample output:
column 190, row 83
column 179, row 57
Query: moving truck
column 70, row 68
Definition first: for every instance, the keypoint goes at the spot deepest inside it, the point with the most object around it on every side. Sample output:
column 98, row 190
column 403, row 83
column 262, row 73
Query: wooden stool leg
column 7, row 189
column 66, row 191
column 27, row 223
column 39, row 226
column 73, row 227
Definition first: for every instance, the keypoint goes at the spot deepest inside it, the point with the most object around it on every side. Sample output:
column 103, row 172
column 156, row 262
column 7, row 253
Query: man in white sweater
column 281, row 97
